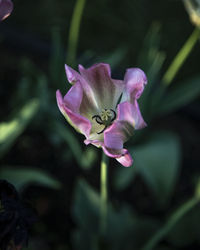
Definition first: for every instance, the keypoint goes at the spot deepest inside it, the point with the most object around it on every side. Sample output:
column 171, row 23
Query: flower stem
column 181, row 57
column 104, row 194
column 74, row 31
column 174, row 218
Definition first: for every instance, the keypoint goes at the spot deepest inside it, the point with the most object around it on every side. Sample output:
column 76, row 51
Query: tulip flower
column 103, row 109
column 6, row 7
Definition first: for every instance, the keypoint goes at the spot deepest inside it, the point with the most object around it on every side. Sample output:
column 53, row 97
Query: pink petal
column 74, row 97
column 105, row 89
column 126, row 160
column 122, row 156
column 6, row 7
column 80, row 123
column 128, row 119
column 89, row 104
column 72, row 75
column 130, row 113
column 135, row 80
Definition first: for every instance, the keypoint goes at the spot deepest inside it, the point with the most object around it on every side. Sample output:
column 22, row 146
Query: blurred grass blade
column 74, row 32
column 179, row 96
column 181, row 57
column 171, row 222
column 151, row 60
column 21, row 177
column 10, row 131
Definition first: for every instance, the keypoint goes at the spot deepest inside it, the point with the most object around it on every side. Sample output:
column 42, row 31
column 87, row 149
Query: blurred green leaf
column 180, row 96
column 123, row 177
column 157, row 160
column 10, row 131
column 187, row 229
column 171, row 222
column 21, row 177
column 86, row 206
column 121, row 225
column 84, row 159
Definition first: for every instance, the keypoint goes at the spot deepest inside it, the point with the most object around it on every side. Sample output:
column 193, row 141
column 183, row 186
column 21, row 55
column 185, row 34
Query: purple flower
column 6, row 7
column 103, row 109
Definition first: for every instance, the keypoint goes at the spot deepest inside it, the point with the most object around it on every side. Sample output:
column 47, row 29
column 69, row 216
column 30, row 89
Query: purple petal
column 130, row 113
column 128, row 119
column 80, row 123
column 96, row 143
column 126, row 160
column 72, row 75
column 135, row 80
column 6, row 7
column 121, row 156
column 74, row 97
column 106, row 90
column 89, row 104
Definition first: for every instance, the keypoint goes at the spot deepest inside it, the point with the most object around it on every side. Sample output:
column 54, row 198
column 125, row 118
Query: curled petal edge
column 135, row 80
column 80, row 123
column 122, row 156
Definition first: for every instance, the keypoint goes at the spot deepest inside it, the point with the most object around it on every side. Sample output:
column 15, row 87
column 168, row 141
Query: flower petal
column 122, row 156
column 126, row 160
column 89, row 104
column 107, row 91
column 135, row 80
column 74, row 97
column 80, row 123
column 128, row 119
column 6, row 7
column 130, row 113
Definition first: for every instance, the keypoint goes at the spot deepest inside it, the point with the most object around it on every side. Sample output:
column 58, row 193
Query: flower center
column 106, row 117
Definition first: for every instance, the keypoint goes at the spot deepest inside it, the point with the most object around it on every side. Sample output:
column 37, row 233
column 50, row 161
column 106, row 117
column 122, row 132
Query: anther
column 105, row 118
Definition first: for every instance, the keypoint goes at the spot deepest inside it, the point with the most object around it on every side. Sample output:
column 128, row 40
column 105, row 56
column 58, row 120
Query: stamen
column 105, row 114
column 102, row 130
column 106, row 117
column 114, row 113
column 98, row 119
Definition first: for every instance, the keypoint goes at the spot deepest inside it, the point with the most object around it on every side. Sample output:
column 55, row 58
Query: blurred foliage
column 153, row 35
column 157, row 161
column 20, row 177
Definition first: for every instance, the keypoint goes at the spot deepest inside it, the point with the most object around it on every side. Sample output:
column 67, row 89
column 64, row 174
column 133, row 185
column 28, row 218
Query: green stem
column 181, row 57
column 174, row 218
column 104, row 194
column 74, row 31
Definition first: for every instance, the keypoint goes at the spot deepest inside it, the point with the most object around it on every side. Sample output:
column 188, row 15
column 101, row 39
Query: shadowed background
column 46, row 159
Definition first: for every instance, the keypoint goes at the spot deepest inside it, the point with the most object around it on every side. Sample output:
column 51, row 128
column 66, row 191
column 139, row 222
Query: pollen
column 105, row 114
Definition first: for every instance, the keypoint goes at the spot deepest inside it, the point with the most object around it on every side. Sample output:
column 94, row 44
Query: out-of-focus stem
column 181, row 57
column 74, row 32
column 104, row 194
